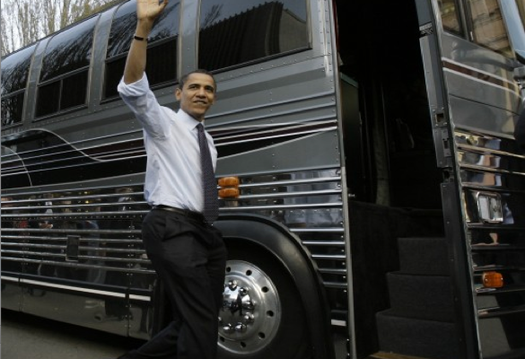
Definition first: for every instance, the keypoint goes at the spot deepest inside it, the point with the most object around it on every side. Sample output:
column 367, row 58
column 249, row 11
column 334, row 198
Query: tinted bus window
column 68, row 51
column 240, row 31
column 488, row 27
column 65, row 67
column 521, row 9
column 161, row 66
column 450, row 16
column 15, row 72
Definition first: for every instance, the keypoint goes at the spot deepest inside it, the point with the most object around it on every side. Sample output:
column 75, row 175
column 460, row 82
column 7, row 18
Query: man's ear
column 178, row 94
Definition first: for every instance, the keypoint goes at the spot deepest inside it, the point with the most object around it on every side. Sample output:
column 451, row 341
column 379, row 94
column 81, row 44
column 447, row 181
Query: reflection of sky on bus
column 232, row 7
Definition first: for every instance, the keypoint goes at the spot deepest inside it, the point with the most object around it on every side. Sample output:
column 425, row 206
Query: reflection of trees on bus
column 8, row 266
column 66, row 223
column 95, row 273
column 48, row 241
column 117, row 249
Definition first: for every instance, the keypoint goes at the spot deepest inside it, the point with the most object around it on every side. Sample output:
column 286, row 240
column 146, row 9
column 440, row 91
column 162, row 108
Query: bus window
column 240, row 31
column 521, row 9
column 513, row 13
column 488, row 27
column 161, row 66
column 15, row 72
column 450, row 16
column 65, row 67
column 520, row 50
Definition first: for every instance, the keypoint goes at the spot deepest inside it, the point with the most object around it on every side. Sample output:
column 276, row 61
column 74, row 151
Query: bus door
column 469, row 65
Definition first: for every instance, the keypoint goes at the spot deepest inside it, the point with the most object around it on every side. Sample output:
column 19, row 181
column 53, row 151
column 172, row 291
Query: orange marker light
column 229, row 192
column 229, row 187
column 229, row 181
column 492, row 279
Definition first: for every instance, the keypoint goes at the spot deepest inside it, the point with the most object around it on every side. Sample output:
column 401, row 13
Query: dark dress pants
column 189, row 257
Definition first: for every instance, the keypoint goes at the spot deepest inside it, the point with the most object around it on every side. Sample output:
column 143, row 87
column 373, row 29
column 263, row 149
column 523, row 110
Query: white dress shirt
column 173, row 171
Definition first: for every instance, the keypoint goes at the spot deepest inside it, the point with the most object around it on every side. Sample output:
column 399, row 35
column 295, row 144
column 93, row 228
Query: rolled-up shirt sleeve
column 142, row 101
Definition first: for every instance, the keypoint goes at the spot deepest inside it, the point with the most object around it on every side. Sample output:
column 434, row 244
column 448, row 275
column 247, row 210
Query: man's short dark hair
column 185, row 77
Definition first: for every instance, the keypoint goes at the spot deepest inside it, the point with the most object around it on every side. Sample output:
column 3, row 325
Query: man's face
column 197, row 95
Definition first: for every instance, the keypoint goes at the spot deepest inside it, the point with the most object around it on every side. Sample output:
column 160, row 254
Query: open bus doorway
column 379, row 50
column 392, row 176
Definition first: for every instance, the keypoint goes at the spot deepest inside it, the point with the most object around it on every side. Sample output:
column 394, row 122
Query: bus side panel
column 11, row 293
column 484, row 187
column 76, row 256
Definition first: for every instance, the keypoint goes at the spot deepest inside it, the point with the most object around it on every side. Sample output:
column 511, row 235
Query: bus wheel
column 262, row 315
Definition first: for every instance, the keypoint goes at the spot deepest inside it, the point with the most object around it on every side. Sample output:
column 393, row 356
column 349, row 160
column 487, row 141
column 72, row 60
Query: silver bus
column 372, row 192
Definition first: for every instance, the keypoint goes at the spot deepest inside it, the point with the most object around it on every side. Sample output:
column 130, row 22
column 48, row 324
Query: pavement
column 28, row 337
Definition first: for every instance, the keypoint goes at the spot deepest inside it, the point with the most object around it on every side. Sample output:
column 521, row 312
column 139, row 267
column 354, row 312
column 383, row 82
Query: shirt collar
column 187, row 121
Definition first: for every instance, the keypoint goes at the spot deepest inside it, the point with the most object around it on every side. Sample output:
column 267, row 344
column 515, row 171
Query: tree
column 26, row 21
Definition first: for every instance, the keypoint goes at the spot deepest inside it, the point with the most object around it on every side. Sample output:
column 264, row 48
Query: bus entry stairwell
column 421, row 301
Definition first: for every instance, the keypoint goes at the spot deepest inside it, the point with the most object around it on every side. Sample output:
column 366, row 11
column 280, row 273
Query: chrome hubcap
column 251, row 311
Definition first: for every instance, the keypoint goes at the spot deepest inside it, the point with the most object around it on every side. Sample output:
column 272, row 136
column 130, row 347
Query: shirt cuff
column 137, row 88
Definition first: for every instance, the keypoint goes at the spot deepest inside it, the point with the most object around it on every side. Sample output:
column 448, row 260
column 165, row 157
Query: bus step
column 421, row 296
column 421, row 319
column 404, row 335
column 423, row 255
column 385, row 355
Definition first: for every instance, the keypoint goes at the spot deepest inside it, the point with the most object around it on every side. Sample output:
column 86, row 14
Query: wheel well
column 251, row 232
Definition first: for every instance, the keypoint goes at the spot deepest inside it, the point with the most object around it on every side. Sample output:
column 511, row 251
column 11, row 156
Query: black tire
column 277, row 328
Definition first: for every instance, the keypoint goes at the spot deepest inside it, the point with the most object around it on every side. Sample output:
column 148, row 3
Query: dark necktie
column 209, row 184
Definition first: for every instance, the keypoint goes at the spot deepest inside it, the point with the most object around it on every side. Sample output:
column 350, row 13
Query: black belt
column 183, row 212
